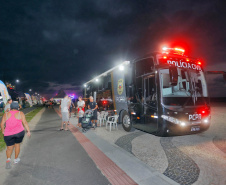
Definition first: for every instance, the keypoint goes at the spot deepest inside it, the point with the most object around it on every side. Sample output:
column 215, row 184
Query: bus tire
column 126, row 121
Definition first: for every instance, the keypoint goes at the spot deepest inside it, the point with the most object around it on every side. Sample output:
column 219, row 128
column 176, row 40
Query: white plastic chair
column 112, row 120
column 98, row 117
column 105, row 117
column 101, row 118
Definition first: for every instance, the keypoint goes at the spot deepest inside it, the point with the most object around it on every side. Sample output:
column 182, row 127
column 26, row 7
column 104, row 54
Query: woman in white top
column 7, row 106
column 81, row 108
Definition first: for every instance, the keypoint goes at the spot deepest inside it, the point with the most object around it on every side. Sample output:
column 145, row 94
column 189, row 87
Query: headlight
column 183, row 124
column 206, row 120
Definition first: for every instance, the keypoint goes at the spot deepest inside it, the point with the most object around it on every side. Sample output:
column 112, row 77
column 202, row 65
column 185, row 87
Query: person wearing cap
column 12, row 125
column 7, row 106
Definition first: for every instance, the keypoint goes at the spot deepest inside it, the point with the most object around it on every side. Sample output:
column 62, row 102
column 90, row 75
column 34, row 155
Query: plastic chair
column 101, row 118
column 105, row 117
column 98, row 117
column 112, row 120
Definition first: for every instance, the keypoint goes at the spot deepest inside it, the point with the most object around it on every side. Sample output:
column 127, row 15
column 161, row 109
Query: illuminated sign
column 185, row 65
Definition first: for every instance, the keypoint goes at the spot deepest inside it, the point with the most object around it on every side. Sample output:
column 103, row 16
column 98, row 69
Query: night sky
column 56, row 44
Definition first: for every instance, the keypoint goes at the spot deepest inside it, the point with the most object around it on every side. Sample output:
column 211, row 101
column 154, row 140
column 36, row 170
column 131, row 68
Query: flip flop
column 61, row 129
column 66, row 130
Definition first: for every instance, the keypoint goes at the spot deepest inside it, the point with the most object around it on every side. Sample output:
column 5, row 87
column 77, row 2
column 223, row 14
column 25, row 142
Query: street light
column 30, row 90
column 17, row 81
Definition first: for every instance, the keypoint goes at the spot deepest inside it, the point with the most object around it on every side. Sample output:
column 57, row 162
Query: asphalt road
column 54, row 157
column 28, row 109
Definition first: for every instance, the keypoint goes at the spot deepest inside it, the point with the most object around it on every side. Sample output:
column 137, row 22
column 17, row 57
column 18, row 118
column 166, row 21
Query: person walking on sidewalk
column 14, row 132
column 64, row 108
column 81, row 110
column 93, row 106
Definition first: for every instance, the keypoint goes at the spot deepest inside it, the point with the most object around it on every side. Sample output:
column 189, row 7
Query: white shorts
column 65, row 116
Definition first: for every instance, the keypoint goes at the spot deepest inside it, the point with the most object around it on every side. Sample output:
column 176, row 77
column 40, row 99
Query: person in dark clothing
column 93, row 106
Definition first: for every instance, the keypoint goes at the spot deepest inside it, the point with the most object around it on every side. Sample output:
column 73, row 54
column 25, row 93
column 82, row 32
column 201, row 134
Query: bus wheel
column 126, row 122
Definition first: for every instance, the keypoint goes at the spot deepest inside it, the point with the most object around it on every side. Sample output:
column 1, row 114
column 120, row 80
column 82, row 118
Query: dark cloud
column 63, row 43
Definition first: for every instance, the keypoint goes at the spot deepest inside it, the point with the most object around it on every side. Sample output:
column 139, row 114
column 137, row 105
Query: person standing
column 81, row 110
column 7, row 106
column 13, row 131
column 93, row 106
column 64, row 108
column 71, row 106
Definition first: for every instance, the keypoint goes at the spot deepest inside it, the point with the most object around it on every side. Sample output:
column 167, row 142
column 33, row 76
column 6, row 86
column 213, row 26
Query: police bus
column 162, row 93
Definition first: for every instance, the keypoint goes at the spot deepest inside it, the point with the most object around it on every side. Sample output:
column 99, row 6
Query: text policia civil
column 185, row 65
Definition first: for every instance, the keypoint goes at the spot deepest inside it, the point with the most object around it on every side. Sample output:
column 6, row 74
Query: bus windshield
column 190, row 90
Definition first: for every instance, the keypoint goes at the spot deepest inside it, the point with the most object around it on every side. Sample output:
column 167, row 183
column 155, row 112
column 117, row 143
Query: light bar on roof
column 177, row 51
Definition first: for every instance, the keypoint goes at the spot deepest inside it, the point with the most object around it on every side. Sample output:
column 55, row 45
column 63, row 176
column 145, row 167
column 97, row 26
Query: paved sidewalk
column 54, row 157
column 141, row 173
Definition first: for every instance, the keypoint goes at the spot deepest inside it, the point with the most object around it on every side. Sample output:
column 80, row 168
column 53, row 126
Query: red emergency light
column 199, row 63
column 177, row 51
column 204, row 111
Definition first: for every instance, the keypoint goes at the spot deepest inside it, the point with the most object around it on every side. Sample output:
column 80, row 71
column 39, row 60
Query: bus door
column 150, row 118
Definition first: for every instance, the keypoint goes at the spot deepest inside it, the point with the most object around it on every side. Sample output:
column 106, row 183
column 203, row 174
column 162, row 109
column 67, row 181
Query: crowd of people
column 66, row 106
column 14, row 123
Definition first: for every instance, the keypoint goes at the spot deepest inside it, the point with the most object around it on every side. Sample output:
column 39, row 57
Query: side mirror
column 173, row 75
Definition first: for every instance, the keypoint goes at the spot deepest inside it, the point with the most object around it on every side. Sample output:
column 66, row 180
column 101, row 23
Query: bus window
column 139, row 92
column 150, row 90
column 144, row 66
column 190, row 90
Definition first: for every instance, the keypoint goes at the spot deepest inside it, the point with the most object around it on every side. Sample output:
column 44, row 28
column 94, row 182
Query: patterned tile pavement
column 181, row 168
column 125, row 141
